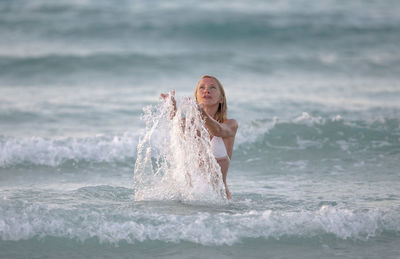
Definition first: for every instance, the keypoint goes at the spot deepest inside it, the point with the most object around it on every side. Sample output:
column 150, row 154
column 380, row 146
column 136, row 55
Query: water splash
column 174, row 157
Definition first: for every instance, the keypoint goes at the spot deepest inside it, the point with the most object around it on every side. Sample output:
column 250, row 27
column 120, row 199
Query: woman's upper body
column 210, row 96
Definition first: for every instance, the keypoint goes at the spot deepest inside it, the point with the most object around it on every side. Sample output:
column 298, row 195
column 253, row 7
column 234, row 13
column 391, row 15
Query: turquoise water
column 314, row 86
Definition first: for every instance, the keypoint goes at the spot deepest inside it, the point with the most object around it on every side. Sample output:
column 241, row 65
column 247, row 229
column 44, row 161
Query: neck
column 211, row 109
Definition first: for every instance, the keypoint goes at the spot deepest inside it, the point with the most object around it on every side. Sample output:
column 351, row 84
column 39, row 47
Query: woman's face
column 208, row 92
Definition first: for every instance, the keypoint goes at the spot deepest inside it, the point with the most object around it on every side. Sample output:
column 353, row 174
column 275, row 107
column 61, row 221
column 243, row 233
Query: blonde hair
column 220, row 115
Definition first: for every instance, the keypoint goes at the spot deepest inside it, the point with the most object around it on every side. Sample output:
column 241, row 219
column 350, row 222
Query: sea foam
column 114, row 225
column 56, row 151
column 300, row 133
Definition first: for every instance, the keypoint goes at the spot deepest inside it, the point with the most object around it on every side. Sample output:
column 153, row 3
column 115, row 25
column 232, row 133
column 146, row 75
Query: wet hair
column 220, row 115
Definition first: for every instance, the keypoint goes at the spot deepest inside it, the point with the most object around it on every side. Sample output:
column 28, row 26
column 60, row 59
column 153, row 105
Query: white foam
column 250, row 132
column 27, row 221
column 55, row 151
column 308, row 119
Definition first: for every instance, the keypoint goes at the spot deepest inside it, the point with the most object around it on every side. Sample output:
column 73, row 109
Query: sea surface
column 314, row 86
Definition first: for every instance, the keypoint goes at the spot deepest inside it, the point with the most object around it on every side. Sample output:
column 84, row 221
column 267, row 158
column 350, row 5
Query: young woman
column 210, row 96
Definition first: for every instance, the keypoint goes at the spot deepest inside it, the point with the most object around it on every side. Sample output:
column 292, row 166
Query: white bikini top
column 218, row 148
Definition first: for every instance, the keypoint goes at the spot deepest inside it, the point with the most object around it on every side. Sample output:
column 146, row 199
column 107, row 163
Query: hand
column 165, row 96
column 172, row 110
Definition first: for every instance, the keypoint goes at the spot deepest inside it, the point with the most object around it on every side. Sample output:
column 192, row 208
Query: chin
column 207, row 102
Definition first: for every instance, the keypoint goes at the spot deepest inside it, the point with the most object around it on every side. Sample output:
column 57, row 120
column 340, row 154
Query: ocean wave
column 98, row 67
column 63, row 26
column 319, row 136
column 58, row 151
column 308, row 133
column 74, row 63
column 125, row 225
column 69, row 63
column 179, row 13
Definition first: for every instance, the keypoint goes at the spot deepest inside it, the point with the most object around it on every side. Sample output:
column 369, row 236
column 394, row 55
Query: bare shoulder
column 232, row 124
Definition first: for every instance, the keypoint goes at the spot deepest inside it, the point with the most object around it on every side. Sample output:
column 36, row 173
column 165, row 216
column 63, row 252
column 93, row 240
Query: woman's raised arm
column 226, row 129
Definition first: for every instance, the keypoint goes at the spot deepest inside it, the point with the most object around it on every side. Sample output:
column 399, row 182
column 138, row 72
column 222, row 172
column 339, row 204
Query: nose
column 206, row 90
